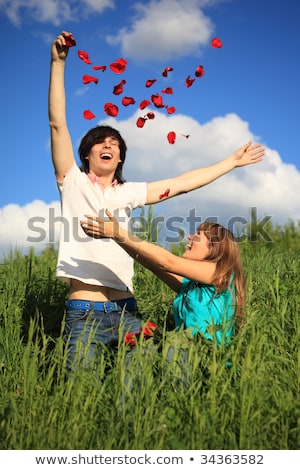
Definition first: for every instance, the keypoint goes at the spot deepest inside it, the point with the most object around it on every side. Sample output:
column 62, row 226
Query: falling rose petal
column 127, row 100
column 144, row 104
column 167, row 191
column 199, row 71
column 168, row 90
column 149, row 83
column 87, row 114
column 118, row 89
column 111, row 109
column 70, row 41
column 189, row 81
column 166, row 71
column 216, row 43
column 149, row 328
column 99, row 67
column 130, row 339
column 170, row 109
column 157, row 101
column 118, row 66
column 171, row 137
column 140, row 122
column 84, row 56
column 150, row 115
column 88, row 79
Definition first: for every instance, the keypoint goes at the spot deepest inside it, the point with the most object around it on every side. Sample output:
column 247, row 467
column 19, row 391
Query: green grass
column 146, row 404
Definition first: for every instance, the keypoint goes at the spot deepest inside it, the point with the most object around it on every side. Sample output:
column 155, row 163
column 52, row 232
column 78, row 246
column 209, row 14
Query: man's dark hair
column 96, row 136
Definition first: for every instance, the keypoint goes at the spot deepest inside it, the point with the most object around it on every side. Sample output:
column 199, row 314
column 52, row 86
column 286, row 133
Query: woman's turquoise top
column 200, row 308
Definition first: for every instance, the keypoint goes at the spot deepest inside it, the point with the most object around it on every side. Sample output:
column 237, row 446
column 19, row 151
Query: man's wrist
column 232, row 162
column 57, row 62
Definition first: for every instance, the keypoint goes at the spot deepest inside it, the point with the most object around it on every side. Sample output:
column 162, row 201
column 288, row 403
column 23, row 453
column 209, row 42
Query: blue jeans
column 92, row 326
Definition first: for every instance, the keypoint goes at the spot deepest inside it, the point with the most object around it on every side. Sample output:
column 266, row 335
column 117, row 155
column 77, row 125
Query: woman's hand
column 101, row 228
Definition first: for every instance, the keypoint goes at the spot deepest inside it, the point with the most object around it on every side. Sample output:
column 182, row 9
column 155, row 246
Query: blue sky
column 250, row 90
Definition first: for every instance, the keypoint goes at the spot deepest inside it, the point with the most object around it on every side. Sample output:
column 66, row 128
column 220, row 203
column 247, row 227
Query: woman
column 208, row 278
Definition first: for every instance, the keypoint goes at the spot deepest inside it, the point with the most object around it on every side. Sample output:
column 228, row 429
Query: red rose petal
column 199, row 71
column 130, row 339
column 87, row 114
column 168, row 90
column 118, row 89
column 118, row 66
column 171, row 137
column 216, row 43
column 84, row 56
column 150, row 115
column 99, row 67
column 189, row 81
column 111, row 109
column 144, row 104
column 149, row 328
column 127, row 100
column 170, row 109
column 70, row 41
column 88, row 79
column 140, row 122
column 167, row 191
column 149, row 83
column 166, row 71
column 157, row 101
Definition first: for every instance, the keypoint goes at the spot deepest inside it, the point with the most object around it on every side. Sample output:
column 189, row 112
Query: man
column 100, row 274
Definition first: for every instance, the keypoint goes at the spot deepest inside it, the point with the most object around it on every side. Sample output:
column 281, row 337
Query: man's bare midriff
column 81, row 291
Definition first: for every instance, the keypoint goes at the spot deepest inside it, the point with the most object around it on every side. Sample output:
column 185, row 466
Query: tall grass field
column 244, row 397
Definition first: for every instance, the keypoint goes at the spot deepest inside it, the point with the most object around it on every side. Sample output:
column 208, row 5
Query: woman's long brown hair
column 224, row 251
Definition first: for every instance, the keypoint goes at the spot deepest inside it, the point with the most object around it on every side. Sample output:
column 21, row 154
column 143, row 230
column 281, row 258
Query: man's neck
column 104, row 180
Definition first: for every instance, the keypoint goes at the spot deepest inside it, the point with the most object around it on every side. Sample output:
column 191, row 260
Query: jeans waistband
column 106, row 307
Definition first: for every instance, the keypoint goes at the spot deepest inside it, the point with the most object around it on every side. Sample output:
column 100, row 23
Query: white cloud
column 164, row 29
column 52, row 11
column 98, row 5
column 269, row 186
column 81, row 91
column 33, row 225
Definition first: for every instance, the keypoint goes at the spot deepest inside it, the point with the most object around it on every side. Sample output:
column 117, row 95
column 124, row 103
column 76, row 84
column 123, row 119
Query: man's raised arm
column 61, row 144
column 160, row 190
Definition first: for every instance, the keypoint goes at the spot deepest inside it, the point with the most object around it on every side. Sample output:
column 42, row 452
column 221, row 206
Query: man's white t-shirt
column 100, row 262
